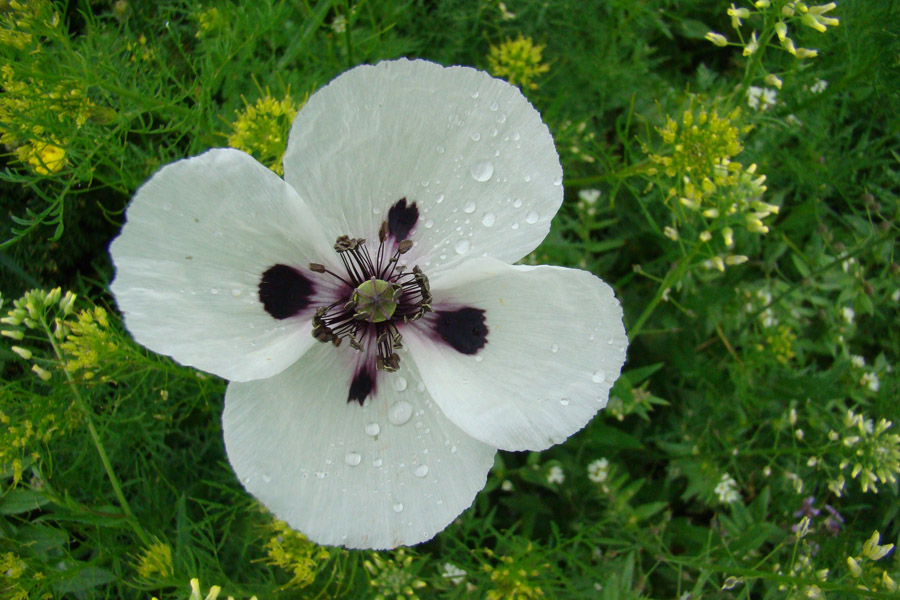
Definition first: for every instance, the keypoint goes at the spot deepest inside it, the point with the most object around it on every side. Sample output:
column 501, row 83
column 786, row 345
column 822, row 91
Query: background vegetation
column 738, row 189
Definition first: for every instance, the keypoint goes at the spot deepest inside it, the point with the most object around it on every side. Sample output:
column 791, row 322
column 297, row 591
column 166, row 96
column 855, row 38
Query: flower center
column 376, row 300
column 378, row 295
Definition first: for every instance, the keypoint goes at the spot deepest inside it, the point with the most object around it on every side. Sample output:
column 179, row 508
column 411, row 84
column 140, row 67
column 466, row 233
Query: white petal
column 469, row 149
column 345, row 474
column 555, row 345
column 198, row 237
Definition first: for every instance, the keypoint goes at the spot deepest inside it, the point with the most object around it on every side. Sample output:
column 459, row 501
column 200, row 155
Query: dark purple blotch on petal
column 284, row 291
column 401, row 219
column 362, row 385
column 464, row 329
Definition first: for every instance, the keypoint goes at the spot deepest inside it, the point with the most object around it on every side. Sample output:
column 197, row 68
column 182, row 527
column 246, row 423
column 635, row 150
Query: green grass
column 762, row 373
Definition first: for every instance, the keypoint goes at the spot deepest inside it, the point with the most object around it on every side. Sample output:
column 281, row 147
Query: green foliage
column 748, row 449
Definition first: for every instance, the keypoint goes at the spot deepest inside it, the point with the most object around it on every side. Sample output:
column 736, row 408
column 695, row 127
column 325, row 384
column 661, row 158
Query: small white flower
column 870, row 380
column 556, row 475
column 453, row 573
column 588, row 196
column 380, row 345
column 753, row 94
column 896, row 295
column 848, row 314
column 857, row 361
column 339, row 24
column 726, row 490
column 819, row 86
column 507, row 485
column 598, row 470
column 761, row 98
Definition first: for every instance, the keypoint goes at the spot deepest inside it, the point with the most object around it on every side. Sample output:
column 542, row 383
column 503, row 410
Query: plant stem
column 98, row 444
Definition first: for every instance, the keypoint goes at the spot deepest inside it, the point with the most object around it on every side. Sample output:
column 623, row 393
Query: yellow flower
column 872, row 550
column 291, row 551
column 43, row 157
column 156, row 560
column 717, row 38
column 815, row 17
column 262, row 129
column 517, row 61
column 737, row 14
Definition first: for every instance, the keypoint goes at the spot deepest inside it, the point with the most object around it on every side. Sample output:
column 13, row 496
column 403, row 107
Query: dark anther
column 464, row 329
column 405, row 246
column 284, row 291
column 401, row 219
column 345, row 243
column 316, row 268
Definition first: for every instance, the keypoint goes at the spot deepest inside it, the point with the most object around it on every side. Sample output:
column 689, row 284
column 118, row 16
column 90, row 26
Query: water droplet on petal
column 488, row 219
column 373, row 429
column 495, row 106
column 516, row 136
column 400, row 412
column 440, row 149
column 479, row 358
column 599, row 377
column 554, row 348
column 429, row 224
column 320, row 474
column 501, row 118
column 564, row 401
column 398, row 507
column 353, row 458
column 421, row 471
column 399, row 383
column 214, row 291
column 377, row 462
column 482, row 170
column 266, row 478
column 236, row 292
column 558, row 181
column 517, row 203
column 439, row 199
column 531, row 217
column 470, row 207
column 476, row 136
column 462, row 246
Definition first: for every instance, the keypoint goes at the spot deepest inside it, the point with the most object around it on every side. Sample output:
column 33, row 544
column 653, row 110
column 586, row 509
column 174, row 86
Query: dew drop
column 376, row 210
column 495, row 106
column 373, row 429
column 377, row 462
column 266, row 478
column 399, row 383
column 462, row 246
column 398, row 507
column 517, row 203
column 554, row 348
column 599, row 377
column 531, row 217
column 400, row 412
column 488, row 219
column 482, row 170
column 558, row 181
column 439, row 199
column 236, row 292
column 214, row 291
column 440, row 149
column 475, row 94
column 501, row 118
column 479, row 358
column 353, row 458
column 320, row 474
column 470, row 207
column 515, row 226
column 429, row 224
column 476, row 136
column 421, row 471
column 453, row 450
column 564, row 401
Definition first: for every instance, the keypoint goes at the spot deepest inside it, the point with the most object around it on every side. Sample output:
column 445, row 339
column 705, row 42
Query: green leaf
column 20, row 501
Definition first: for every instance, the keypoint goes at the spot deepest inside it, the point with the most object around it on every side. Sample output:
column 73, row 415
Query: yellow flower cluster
column 876, row 453
column 518, row 61
column 155, row 561
column 88, row 342
column 22, row 21
column 209, row 21
column 711, row 192
column 512, row 578
column 28, row 107
column 392, row 576
column 262, row 129
column 291, row 551
column 791, row 12
column 13, row 567
column 781, row 344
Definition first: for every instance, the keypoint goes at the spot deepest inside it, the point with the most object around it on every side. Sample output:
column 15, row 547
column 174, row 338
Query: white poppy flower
column 372, row 381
